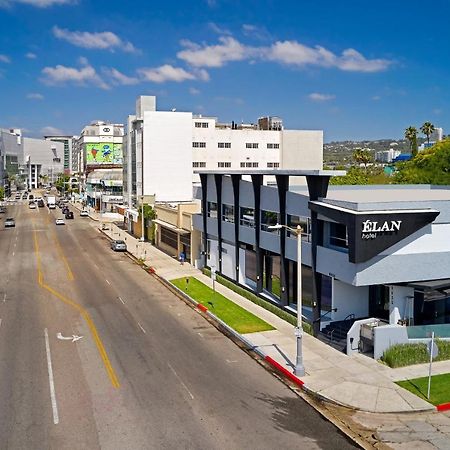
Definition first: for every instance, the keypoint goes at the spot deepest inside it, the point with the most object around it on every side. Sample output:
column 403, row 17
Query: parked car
column 41, row 203
column 10, row 222
column 2, row 209
column 84, row 214
column 119, row 246
column 32, row 205
column 69, row 215
column 60, row 221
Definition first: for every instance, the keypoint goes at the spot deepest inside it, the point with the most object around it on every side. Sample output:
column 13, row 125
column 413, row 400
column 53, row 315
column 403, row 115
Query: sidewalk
column 357, row 382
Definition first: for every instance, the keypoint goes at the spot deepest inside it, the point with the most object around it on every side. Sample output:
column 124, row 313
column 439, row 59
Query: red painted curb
column 290, row 375
column 202, row 308
column 443, row 407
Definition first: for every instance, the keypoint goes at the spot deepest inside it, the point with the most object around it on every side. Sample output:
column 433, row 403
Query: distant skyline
column 355, row 69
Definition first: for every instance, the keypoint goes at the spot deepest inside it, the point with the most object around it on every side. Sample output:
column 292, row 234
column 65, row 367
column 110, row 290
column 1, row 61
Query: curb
column 443, row 407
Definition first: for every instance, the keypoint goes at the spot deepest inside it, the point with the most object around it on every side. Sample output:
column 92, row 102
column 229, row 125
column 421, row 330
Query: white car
column 32, row 206
column 60, row 222
column 84, row 214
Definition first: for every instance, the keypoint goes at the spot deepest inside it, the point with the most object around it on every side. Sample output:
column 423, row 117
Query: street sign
column 432, row 349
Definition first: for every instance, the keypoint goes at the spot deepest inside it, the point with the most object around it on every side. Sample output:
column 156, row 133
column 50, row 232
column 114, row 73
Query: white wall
column 167, row 155
column 228, row 260
column 350, row 299
column 400, row 303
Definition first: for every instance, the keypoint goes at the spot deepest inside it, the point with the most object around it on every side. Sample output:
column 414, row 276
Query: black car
column 69, row 215
column 40, row 203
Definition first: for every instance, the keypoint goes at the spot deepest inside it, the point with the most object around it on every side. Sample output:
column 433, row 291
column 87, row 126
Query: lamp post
column 299, row 368
column 142, row 219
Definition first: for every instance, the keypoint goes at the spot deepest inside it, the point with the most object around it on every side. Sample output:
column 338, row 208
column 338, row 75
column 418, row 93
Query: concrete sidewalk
column 357, row 381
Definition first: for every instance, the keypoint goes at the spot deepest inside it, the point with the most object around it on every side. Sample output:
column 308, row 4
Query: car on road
column 69, row 215
column 41, row 203
column 2, row 209
column 84, row 213
column 32, row 205
column 59, row 221
column 10, row 222
column 119, row 245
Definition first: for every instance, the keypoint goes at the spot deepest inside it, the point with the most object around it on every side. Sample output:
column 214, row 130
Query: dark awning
column 431, row 284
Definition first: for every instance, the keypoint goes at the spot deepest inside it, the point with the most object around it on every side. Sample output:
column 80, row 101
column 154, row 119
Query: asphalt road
column 145, row 370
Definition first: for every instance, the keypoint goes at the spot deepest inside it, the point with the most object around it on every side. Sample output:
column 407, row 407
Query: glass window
column 228, row 213
column 247, row 217
column 250, row 264
column 269, row 218
column 338, row 236
column 304, row 222
column 212, row 210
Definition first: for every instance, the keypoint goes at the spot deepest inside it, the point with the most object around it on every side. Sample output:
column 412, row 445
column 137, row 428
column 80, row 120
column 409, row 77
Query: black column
column 218, row 180
column 204, row 181
column 283, row 186
column 317, row 187
column 257, row 181
column 235, row 179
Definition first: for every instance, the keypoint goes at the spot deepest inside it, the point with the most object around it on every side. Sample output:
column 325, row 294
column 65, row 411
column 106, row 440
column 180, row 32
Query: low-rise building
column 104, row 189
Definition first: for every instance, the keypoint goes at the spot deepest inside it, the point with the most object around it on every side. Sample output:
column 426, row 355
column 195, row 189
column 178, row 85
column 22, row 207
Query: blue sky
column 356, row 69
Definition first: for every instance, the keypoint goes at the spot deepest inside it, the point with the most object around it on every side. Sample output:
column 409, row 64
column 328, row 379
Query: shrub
column 259, row 301
column 401, row 355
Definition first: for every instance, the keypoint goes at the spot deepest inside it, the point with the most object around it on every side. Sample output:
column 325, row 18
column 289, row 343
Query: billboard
column 104, row 153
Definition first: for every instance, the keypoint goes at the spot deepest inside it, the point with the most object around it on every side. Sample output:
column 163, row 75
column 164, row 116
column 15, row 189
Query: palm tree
column 362, row 156
column 411, row 137
column 427, row 129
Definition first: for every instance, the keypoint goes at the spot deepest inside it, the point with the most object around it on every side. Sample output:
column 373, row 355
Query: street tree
column 411, row 137
column 427, row 129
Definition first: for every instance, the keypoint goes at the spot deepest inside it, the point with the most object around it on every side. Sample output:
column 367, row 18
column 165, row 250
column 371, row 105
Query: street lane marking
column 0, row 322
column 107, row 281
column 100, row 347
column 4, row 297
column 50, row 379
column 140, row 326
column 14, row 253
column 120, row 298
column 61, row 254
column 181, row 381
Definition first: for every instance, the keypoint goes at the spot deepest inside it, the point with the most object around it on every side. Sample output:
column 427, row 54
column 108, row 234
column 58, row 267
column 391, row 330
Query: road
column 145, row 370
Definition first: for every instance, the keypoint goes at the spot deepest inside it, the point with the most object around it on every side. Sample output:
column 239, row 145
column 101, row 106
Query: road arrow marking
column 72, row 338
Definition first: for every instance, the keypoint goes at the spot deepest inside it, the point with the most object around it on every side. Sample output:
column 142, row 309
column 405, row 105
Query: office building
column 68, row 149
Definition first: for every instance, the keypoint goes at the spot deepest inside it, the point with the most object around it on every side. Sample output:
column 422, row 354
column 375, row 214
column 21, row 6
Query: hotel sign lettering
column 372, row 229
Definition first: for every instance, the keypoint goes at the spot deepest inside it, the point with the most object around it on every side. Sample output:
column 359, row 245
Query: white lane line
column 96, row 265
column 120, row 298
column 107, row 281
column 181, row 381
column 140, row 326
column 14, row 253
column 0, row 322
column 4, row 297
column 50, row 380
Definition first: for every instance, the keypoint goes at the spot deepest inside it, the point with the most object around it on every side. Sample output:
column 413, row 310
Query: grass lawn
column 233, row 315
column 439, row 392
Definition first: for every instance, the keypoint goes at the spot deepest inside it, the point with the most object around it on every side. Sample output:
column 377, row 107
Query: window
column 201, row 124
column 199, row 164
column 251, row 145
column 169, row 238
column 224, row 144
column 269, row 145
column 223, row 164
column 338, row 238
column 269, row 218
column 212, row 210
column 228, row 213
column 199, row 144
column 304, row 222
column 247, row 217
column 273, row 165
column 249, row 164
column 242, row 164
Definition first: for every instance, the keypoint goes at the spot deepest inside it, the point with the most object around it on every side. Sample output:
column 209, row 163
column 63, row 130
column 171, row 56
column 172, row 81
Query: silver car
column 10, row 222
column 119, row 246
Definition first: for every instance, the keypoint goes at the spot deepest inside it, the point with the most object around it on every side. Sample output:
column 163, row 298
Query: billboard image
column 104, row 153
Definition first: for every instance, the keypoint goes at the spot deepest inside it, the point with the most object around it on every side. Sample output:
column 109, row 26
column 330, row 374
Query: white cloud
column 85, row 76
column 375, row 98
column 50, row 131
column 218, row 29
column 31, row 55
column 229, row 49
column 35, row 96
column 194, row 91
column 37, row 3
column 318, row 97
column 120, row 78
column 255, row 32
column 5, row 59
column 165, row 73
column 105, row 40
column 284, row 52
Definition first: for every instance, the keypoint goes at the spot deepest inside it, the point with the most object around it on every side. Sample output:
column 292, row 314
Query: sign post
column 213, row 278
column 433, row 351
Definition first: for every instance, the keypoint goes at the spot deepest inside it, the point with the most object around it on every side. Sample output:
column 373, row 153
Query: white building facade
column 68, row 149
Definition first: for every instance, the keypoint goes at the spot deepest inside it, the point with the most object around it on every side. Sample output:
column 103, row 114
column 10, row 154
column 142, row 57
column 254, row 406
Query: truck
column 51, row 202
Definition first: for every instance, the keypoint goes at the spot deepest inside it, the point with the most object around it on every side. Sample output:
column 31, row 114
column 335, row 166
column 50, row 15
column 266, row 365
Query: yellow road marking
column 101, row 349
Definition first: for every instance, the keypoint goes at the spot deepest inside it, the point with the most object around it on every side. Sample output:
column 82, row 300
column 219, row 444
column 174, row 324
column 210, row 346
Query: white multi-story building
column 162, row 150
column 386, row 156
column 68, row 149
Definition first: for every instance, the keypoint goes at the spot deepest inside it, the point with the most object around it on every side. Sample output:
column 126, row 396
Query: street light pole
column 142, row 219
column 299, row 368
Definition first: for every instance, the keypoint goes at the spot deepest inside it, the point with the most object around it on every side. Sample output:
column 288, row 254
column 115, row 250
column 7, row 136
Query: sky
column 356, row 69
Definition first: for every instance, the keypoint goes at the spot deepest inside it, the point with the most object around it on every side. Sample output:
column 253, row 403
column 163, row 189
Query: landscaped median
column 233, row 315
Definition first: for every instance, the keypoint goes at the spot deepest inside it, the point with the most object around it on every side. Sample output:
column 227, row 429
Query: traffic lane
column 26, row 413
column 206, row 366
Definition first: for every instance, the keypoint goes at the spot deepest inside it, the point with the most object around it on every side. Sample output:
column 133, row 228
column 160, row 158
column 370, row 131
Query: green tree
column 149, row 215
column 427, row 129
column 411, row 137
column 2, row 193
column 62, row 182
column 362, row 156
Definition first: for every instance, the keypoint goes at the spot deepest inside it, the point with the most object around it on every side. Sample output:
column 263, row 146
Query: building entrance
column 379, row 302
